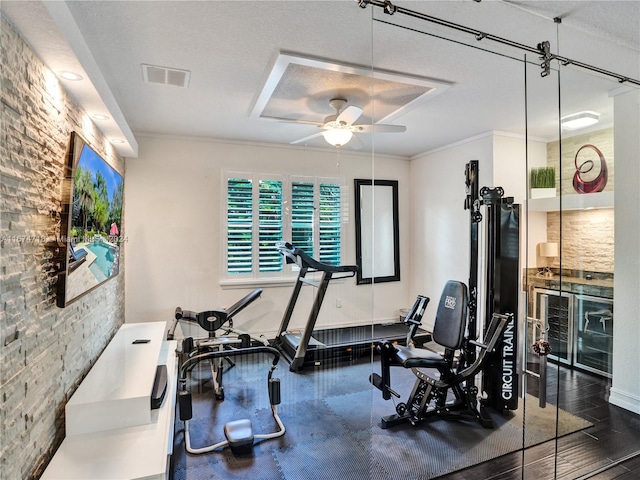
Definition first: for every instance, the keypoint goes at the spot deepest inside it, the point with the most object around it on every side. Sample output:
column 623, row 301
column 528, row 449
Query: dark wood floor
column 607, row 450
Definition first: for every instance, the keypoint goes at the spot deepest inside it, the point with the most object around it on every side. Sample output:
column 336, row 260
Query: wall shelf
column 572, row 202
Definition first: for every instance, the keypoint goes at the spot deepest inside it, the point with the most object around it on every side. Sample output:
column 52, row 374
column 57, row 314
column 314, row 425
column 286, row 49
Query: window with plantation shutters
column 302, row 216
column 269, row 225
column 263, row 210
column 329, row 223
column 239, row 225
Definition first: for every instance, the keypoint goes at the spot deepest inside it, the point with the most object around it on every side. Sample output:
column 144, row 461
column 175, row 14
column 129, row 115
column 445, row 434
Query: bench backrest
column 451, row 316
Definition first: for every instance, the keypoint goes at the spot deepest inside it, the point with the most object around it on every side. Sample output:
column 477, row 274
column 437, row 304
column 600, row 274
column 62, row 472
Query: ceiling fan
column 338, row 129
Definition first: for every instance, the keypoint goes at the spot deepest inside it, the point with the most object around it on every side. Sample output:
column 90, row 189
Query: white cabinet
column 112, row 432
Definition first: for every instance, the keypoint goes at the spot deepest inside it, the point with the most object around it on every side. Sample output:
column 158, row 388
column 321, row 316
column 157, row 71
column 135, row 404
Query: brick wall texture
column 45, row 351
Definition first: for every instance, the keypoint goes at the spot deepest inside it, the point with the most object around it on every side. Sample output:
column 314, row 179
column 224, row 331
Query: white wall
column 440, row 226
column 625, row 391
column 510, row 165
column 440, row 231
column 174, row 218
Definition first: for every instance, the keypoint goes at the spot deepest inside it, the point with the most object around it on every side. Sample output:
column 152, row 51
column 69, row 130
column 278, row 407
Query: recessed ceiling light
column 99, row 116
column 116, row 140
column 74, row 77
column 580, row 120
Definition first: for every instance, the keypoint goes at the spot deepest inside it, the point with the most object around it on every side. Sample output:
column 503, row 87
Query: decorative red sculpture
column 598, row 183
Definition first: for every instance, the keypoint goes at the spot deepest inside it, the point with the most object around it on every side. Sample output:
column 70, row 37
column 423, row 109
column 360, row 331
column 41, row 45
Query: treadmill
column 315, row 347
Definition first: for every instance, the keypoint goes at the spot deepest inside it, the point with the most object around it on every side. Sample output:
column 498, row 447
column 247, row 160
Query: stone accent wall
column 587, row 239
column 44, row 351
column 587, row 235
column 602, row 139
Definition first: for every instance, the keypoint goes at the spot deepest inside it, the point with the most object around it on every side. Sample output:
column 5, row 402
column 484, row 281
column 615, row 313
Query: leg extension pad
column 376, row 381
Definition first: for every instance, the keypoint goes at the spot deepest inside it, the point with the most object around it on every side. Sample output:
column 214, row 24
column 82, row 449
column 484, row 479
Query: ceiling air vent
column 165, row 75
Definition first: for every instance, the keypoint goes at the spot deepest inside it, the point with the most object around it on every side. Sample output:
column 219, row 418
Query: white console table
column 112, row 432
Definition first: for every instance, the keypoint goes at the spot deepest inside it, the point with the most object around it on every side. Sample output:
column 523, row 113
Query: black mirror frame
column 360, row 279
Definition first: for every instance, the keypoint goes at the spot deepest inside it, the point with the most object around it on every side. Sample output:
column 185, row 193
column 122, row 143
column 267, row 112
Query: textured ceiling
column 230, row 47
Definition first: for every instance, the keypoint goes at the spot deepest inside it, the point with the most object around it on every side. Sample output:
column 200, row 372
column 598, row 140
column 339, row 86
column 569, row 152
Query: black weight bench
column 461, row 360
column 230, row 338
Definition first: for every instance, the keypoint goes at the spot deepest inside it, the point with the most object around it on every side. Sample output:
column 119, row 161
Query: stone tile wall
column 587, row 239
column 44, row 351
column 587, row 235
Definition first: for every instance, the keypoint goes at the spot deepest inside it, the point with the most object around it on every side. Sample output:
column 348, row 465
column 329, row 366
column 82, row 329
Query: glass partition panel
column 585, row 228
column 572, row 241
column 451, row 232
column 546, row 320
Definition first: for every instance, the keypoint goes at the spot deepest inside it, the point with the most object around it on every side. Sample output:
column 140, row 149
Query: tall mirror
column 377, row 233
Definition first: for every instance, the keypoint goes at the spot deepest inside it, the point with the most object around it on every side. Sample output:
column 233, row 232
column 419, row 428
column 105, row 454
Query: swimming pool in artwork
column 106, row 259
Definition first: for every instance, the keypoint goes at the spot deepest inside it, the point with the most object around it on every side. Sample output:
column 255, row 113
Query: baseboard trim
column 624, row 400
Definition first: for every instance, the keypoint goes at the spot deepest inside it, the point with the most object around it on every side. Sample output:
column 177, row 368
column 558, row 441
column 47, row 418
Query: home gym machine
column 456, row 326
column 502, row 257
column 500, row 375
column 239, row 433
column 231, row 338
column 316, row 346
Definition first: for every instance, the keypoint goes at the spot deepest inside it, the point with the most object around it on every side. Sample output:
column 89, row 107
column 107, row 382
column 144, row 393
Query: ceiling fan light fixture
column 337, row 136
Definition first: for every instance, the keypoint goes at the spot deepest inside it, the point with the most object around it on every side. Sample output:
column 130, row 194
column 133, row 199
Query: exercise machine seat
column 448, row 330
column 212, row 320
column 418, row 357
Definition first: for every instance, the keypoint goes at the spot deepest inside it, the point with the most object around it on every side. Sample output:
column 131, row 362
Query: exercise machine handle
column 191, row 362
column 186, row 315
column 180, row 315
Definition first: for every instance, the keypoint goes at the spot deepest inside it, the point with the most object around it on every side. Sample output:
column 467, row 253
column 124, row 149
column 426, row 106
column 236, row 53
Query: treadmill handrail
column 296, row 255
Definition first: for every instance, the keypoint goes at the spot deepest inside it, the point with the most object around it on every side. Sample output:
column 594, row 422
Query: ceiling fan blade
column 302, row 140
column 301, row 122
column 355, row 143
column 349, row 115
column 379, row 128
